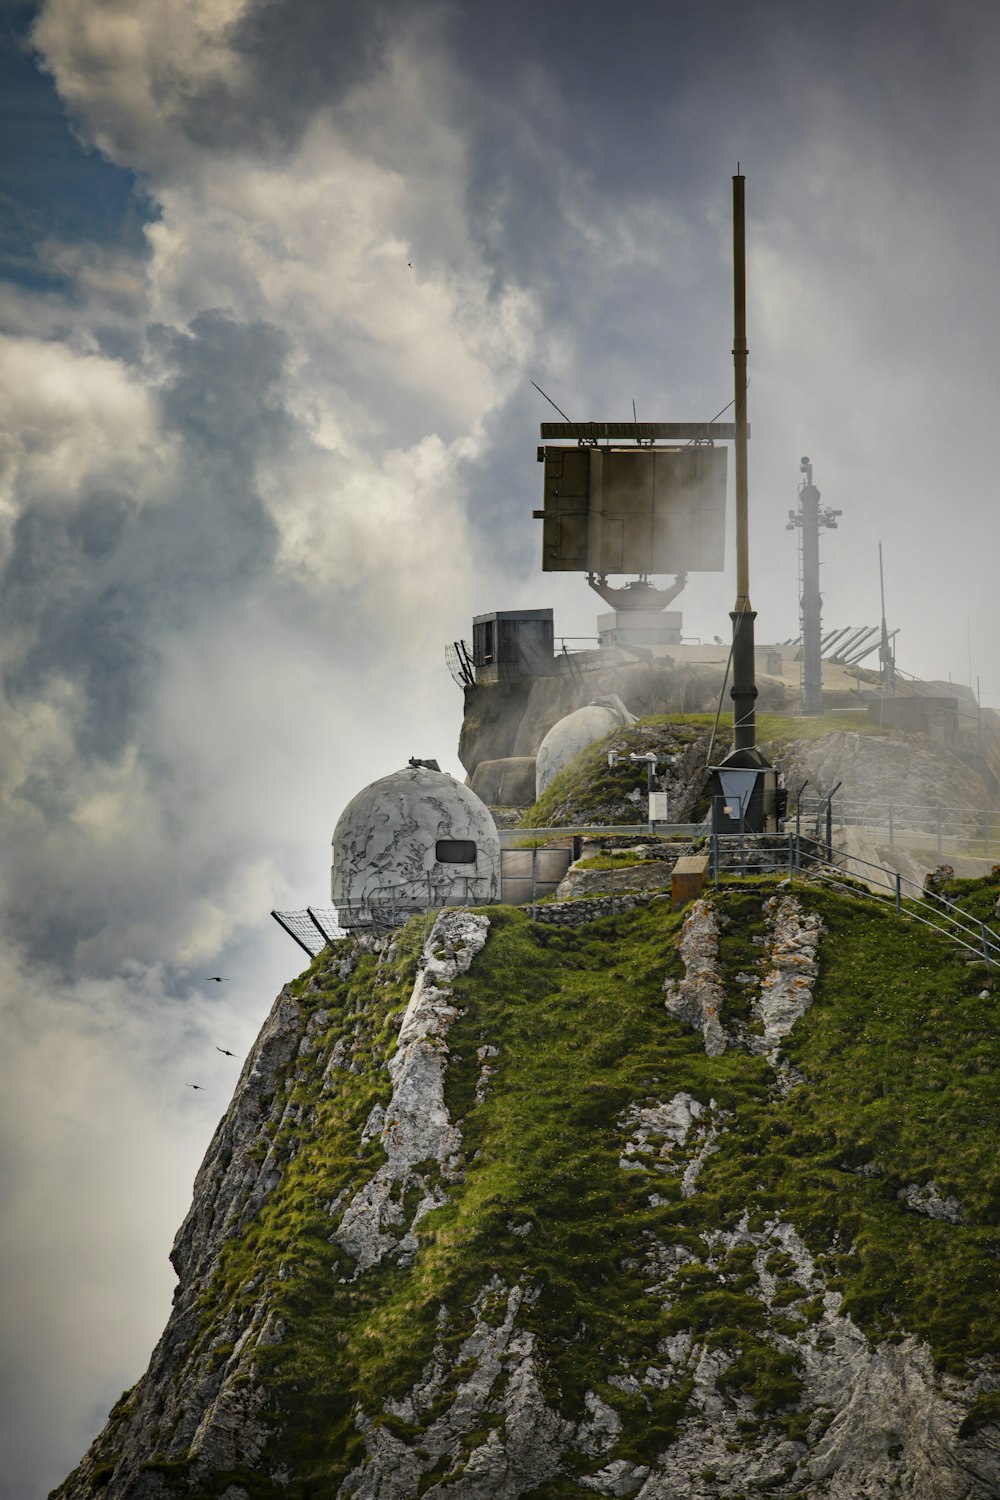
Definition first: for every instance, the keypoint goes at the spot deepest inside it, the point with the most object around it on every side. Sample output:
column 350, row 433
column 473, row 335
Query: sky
column 276, row 277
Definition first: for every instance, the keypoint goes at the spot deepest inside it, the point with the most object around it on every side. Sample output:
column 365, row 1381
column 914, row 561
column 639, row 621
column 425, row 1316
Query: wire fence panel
column 941, row 830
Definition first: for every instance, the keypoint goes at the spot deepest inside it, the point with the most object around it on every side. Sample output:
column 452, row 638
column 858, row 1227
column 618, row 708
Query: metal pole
column 534, row 882
column 986, row 946
column 743, row 691
column 715, row 842
column 899, row 897
column 743, row 865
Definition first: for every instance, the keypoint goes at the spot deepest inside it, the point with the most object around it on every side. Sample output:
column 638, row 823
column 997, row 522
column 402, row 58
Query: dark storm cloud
column 305, row 54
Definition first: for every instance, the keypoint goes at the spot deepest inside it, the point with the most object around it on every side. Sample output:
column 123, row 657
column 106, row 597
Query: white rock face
column 398, row 846
column 885, row 1423
column 783, row 995
column 502, row 1376
column 415, row 1126
column 925, row 1199
column 787, row 988
column 656, row 1131
column 574, row 733
column 699, row 997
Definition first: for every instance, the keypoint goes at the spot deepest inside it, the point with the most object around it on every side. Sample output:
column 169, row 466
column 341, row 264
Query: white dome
column 413, row 840
column 570, row 735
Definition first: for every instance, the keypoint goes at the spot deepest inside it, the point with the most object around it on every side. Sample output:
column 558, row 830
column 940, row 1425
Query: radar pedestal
column 639, row 627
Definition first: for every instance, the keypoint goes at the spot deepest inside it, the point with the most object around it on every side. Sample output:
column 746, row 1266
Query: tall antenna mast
column 744, row 689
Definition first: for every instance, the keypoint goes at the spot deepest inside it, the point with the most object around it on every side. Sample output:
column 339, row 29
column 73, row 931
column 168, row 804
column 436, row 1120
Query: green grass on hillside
column 778, row 728
column 901, row 1055
column 773, row 727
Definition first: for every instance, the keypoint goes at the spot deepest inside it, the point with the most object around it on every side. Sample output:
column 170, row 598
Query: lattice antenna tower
column 808, row 519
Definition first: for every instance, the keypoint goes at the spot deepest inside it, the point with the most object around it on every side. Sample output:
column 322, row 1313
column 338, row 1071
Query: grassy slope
column 901, row 1056
column 591, row 787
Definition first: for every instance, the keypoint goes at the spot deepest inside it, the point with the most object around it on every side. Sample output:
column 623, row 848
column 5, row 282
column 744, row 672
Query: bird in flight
column 224, row 1050
column 216, row 979
column 196, row 1085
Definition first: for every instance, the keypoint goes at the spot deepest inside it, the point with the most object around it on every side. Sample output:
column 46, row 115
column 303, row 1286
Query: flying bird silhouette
column 195, row 1085
column 216, row 979
column 224, row 1050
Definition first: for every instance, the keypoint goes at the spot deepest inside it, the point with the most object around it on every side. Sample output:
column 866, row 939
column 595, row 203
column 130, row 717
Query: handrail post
column 899, row 896
column 986, row 946
column 791, row 856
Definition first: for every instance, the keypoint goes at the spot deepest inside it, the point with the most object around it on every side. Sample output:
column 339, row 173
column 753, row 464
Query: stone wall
column 590, row 908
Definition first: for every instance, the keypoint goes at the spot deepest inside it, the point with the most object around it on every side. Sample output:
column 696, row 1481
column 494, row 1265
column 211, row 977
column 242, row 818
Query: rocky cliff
column 655, row 1206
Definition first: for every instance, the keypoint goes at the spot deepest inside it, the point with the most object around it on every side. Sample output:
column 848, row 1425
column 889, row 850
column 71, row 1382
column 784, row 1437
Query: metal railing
column 523, row 838
column 755, row 854
column 948, row 830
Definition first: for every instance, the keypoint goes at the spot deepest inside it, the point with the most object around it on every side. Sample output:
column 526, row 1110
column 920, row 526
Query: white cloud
column 131, row 72
column 71, row 417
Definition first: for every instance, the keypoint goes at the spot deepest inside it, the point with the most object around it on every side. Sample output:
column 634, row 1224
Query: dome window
column 455, row 852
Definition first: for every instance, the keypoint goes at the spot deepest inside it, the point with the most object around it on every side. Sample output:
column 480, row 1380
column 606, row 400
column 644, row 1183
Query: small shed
column 513, row 643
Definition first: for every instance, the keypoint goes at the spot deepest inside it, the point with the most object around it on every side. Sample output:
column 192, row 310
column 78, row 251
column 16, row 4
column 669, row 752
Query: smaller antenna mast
column 550, row 401
column 885, row 654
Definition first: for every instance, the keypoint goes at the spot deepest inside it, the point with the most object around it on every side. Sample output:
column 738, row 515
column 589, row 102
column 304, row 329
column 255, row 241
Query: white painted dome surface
column 568, row 737
column 413, row 840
